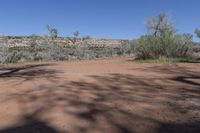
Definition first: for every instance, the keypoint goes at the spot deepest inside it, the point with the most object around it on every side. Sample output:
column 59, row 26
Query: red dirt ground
column 102, row 96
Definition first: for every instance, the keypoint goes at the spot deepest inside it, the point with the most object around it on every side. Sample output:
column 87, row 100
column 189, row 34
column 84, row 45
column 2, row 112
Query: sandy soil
column 102, row 96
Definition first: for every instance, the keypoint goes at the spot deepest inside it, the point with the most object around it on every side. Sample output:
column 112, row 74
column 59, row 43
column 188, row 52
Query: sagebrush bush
column 3, row 53
column 49, row 50
column 151, row 47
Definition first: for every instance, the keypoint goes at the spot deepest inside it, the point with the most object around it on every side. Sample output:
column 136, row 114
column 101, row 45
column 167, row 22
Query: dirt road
column 102, row 96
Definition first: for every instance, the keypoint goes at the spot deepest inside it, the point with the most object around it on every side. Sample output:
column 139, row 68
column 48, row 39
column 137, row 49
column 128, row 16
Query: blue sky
column 118, row 19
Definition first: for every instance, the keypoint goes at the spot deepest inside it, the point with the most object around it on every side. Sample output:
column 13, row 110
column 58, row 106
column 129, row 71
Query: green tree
column 160, row 25
column 162, row 40
column 53, row 32
column 76, row 34
column 197, row 32
column 75, row 37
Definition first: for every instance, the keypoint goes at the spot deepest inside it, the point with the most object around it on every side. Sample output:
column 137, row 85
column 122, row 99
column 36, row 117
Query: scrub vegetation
column 161, row 43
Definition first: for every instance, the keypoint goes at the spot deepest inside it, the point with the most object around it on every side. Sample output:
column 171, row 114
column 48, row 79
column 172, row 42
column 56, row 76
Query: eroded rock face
column 26, row 41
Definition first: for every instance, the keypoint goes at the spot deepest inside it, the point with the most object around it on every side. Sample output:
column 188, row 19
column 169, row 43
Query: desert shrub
column 3, row 53
column 125, row 49
column 70, row 47
column 151, row 47
column 3, row 49
column 75, row 37
column 8, row 55
column 14, row 57
column 162, row 41
column 47, row 49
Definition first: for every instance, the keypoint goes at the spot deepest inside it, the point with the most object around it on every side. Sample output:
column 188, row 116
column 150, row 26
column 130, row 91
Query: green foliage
column 53, row 32
column 14, row 57
column 3, row 53
column 160, row 25
column 76, row 34
column 70, row 47
column 151, row 47
column 197, row 32
column 33, row 41
column 75, row 38
column 50, row 51
column 162, row 41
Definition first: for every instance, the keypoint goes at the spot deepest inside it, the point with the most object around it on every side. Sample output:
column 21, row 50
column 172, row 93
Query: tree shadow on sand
column 115, row 103
column 27, row 72
column 31, row 124
column 184, row 75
